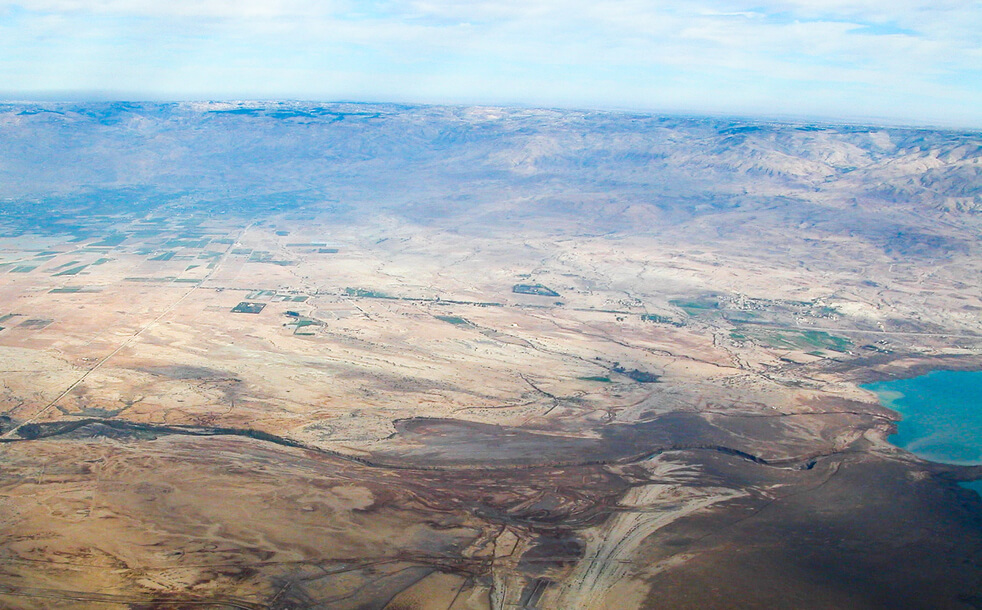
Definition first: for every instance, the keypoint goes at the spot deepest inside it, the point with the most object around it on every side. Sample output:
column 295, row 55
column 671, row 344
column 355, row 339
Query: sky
column 897, row 61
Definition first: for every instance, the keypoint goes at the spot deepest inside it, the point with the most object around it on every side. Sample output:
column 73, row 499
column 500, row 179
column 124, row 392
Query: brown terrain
column 555, row 360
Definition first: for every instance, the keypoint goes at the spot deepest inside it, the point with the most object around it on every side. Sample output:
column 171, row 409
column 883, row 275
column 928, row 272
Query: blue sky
column 891, row 60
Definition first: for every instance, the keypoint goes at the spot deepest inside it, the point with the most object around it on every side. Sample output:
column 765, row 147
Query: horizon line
column 101, row 97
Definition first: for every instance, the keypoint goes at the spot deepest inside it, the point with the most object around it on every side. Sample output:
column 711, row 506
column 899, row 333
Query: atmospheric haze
column 347, row 356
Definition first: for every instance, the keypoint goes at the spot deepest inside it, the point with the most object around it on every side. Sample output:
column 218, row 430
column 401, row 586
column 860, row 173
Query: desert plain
column 373, row 356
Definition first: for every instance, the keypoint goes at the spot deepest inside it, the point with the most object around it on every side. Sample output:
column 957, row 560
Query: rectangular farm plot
column 34, row 324
column 534, row 289
column 72, row 271
column 248, row 307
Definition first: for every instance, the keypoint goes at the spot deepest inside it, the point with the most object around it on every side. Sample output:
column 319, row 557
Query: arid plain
column 298, row 356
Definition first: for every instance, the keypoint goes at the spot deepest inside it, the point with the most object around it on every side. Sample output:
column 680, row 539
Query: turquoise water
column 975, row 486
column 942, row 416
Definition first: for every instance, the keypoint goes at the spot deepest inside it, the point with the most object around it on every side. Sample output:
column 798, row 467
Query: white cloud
column 614, row 50
column 232, row 9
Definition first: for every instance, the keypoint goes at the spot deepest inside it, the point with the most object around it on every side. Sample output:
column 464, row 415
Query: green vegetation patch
column 367, row 294
column 110, row 240
column 68, row 264
column 34, row 324
column 186, row 280
column 302, row 323
column 657, row 319
column 262, row 256
column 187, row 243
column 23, row 268
column 248, row 307
column 534, row 289
column 311, row 244
column 805, row 340
column 327, row 250
column 596, row 378
column 164, row 256
column 101, row 261
column 454, row 320
column 66, row 290
column 72, row 271
column 637, row 375
column 695, row 306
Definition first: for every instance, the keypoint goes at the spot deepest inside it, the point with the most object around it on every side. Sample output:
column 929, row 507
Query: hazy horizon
column 87, row 97
column 905, row 62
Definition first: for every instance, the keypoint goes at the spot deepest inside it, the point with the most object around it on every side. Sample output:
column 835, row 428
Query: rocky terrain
column 373, row 356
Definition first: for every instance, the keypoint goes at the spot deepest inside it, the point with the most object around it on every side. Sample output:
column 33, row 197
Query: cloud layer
column 900, row 60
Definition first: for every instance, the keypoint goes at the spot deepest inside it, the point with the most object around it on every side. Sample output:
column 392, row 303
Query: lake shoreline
column 940, row 419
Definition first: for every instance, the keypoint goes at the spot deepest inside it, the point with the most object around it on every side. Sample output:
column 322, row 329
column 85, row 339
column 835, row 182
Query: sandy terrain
column 298, row 408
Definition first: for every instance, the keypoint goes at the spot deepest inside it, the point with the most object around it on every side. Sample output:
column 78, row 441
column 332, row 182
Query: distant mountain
column 462, row 166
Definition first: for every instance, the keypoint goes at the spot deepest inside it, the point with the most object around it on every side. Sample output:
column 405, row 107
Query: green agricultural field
column 110, row 241
column 454, row 320
column 367, row 294
column 534, row 289
column 695, row 306
column 303, row 323
column 657, row 319
column 247, row 307
column 72, row 271
column 34, row 324
column 805, row 340
column 187, row 243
